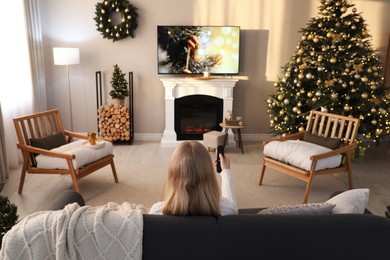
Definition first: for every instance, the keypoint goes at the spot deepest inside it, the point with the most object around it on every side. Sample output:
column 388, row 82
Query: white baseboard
column 245, row 137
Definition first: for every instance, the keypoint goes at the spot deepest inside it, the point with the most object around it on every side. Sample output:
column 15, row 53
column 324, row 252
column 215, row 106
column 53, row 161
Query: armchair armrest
column 293, row 136
column 36, row 150
column 72, row 135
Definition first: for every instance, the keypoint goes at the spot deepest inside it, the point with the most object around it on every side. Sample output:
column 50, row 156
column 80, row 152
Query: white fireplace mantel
column 177, row 87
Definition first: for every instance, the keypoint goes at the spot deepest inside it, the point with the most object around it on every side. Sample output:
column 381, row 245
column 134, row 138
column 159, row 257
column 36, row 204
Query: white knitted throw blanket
column 112, row 231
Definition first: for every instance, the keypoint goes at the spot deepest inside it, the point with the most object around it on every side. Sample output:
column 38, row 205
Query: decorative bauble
column 333, row 96
column 301, row 129
column 115, row 32
column 281, row 112
column 344, row 85
column 309, row 75
column 354, row 10
column 318, row 93
column 286, row 118
column 314, row 99
column 295, row 109
column 310, row 95
column 346, row 108
column 329, row 35
column 343, row 9
column 299, row 104
column 353, row 27
column 373, row 110
column 364, row 95
column 374, row 122
column 280, row 97
column 347, row 97
column 324, row 109
column 300, row 76
column 333, row 60
column 286, row 101
column 357, row 76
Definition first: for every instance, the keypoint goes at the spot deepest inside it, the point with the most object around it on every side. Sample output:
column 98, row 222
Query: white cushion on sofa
column 83, row 155
column 297, row 153
column 350, row 202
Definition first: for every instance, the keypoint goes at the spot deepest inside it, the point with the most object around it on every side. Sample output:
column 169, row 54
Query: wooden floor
column 142, row 169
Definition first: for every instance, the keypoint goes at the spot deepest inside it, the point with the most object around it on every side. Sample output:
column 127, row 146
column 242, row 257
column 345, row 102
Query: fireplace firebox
column 196, row 115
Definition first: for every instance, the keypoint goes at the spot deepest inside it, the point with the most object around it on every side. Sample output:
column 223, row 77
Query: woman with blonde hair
column 192, row 187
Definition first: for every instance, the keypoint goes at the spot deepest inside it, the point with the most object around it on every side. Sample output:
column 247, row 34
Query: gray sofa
column 253, row 236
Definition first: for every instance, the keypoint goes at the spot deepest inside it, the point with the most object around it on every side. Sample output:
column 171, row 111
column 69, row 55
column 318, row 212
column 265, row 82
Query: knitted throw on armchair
column 112, row 231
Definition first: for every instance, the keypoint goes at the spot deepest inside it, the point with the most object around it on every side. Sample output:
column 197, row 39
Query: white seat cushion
column 83, row 155
column 297, row 153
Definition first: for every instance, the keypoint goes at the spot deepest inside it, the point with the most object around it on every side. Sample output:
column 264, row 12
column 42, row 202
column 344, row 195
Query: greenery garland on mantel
column 104, row 19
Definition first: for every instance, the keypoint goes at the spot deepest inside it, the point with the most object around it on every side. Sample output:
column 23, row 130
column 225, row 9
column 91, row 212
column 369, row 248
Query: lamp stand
column 70, row 101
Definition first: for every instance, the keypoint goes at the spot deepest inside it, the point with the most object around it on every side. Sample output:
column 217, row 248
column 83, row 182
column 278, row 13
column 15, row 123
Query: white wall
column 270, row 31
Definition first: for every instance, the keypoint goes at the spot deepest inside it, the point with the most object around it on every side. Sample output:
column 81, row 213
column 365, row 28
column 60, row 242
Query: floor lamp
column 67, row 56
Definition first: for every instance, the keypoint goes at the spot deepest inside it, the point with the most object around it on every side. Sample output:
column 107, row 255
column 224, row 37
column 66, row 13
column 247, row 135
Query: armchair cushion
column 297, row 153
column 83, row 155
column 332, row 143
column 49, row 142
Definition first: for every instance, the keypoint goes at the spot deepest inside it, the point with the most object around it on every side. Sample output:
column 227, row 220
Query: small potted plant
column 120, row 87
column 8, row 216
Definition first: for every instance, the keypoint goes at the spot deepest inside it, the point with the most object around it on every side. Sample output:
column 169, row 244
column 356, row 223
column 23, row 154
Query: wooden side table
column 238, row 127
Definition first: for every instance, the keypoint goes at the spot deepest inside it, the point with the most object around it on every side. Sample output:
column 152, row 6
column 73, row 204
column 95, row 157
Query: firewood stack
column 114, row 123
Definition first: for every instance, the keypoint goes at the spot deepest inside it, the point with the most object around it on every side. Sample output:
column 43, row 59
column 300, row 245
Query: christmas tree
column 119, row 84
column 334, row 69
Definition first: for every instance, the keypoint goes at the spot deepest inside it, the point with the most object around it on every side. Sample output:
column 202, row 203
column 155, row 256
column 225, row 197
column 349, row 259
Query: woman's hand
column 225, row 161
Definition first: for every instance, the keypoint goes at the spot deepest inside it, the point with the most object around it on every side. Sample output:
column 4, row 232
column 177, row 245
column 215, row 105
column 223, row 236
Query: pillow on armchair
column 49, row 142
column 331, row 143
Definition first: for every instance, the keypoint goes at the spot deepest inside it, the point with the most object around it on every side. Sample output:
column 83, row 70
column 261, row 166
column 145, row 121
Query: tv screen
column 196, row 49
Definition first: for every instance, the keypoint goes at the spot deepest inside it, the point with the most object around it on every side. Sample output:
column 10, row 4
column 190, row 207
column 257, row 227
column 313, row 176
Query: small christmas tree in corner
column 120, row 88
column 334, row 69
column 8, row 216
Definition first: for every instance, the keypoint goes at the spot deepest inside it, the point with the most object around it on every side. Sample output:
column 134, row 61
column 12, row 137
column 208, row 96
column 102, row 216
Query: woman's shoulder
column 157, row 208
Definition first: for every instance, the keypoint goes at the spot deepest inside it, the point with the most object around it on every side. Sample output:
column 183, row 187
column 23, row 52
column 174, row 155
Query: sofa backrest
column 343, row 236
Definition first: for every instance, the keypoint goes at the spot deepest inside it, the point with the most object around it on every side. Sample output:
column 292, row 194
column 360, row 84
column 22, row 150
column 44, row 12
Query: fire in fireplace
column 196, row 115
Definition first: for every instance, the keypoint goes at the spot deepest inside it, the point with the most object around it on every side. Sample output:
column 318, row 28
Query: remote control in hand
column 220, row 150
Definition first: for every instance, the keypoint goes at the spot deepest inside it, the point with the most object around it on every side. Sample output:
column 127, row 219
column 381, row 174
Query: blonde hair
column 192, row 187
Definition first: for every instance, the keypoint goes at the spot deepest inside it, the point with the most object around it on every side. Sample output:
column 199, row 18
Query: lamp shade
column 66, row 56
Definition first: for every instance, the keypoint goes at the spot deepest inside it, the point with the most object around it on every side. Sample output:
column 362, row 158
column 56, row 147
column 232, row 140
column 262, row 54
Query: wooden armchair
column 324, row 126
column 45, row 125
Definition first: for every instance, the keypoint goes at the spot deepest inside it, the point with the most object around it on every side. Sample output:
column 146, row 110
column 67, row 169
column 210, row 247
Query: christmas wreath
column 107, row 11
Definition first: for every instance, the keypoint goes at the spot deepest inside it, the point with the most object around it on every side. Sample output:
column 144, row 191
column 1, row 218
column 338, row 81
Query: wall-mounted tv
column 196, row 49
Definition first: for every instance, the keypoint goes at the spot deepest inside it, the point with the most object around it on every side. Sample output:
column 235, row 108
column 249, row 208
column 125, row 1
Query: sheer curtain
column 22, row 78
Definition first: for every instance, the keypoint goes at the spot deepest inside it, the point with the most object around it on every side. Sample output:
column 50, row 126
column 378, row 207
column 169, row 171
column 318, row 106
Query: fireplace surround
column 179, row 87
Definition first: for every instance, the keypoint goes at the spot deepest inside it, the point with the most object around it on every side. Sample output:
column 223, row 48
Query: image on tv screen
column 196, row 49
